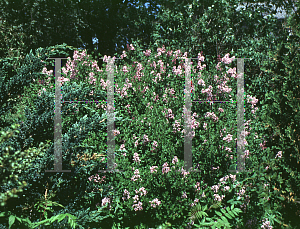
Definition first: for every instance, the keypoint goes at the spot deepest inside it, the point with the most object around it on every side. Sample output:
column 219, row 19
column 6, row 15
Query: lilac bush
column 154, row 181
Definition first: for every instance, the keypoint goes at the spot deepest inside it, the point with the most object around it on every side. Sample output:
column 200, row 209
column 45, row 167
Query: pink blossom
column 224, row 179
column 241, row 192
column 279, row 154
column 169, row 53
column 125, row 69
column 155, row 203
column 262, row 145
column 172, row 91
column 136, row 175
column 228, row 149
column 215, row 188
column 142, row 191
column 165, row 168
column 246, row 153
column 220, row 109
column 75, row 55
column 116, row 132
column 201, row 58
column 122, row 147
column 227, row 60
column 233, row 177
column 175, row 160
column 178, row 70
column 153, row 169
column 211, row 114
column 130, row 47
column 126, row 195
column 228, row 138
column 138, row 207
column 123, row 54
column 195, row 201
column 184, row 172
column 147, row 53
column 136, row 158
column 145, row 138
column 155, row 143
column 106, row 201
column 136, row 143
column 136, row 198
column 266, row 224
column 226, row 188
column 218, row 198
column 267, row 168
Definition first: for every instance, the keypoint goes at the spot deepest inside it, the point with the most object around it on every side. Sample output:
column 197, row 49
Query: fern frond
column 197, row 212
column 220, row 220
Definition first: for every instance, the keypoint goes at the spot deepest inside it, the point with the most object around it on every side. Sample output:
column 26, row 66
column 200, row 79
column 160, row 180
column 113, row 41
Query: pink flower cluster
column 194, row 203
column 227, row 60
column 218, row 197
column 175, row 160
column 211, row 114
column 253, row 102
column 147, row 53
column 266, row 224
column 228, row 138
column 123, row 54
column 136, row 158
column 116, row 132
column 96, row 178
column 126, row 195
column 124, row 90
column 242, row 191
column 165, row 168
column 106, row 201
column 197, row 187
column 130, row 47
column 176, row 126
column 279, row 154
column 153, row 169
column 142, row 191
column 137, row 206
column 155, row 203
column 208, row 91
column 136, row 175
column 262, row 145
column 169, row 115
column 183, row 172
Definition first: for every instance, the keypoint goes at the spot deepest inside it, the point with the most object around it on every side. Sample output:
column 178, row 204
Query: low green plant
column 218, row 221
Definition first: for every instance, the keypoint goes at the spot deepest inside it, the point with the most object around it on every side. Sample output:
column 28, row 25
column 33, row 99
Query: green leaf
column 228, row 216
column 224, row 219
column 218, row 213
column 223, row 210
column 281, row 198
column 11, row 220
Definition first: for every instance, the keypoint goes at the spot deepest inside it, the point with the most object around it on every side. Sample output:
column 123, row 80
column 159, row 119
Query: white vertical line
column 57, row 120
column 188, row 158
column 240, row 116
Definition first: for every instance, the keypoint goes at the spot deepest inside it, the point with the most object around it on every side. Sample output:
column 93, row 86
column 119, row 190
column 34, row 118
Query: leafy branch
column 218, row 221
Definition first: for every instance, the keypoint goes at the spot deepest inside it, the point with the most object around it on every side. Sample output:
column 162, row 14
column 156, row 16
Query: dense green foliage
column 30, row 197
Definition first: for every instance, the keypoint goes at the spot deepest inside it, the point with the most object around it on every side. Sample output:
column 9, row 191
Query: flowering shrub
column 166, row 193
column 152, row 186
